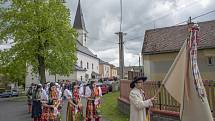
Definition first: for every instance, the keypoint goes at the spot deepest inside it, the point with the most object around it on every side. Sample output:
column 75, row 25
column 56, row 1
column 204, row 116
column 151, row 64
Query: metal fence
column 165, row 101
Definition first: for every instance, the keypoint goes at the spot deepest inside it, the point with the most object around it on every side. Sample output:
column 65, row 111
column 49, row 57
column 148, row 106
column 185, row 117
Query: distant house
column 87, row 66
column 104, row 69
column 162, row 45
column 113, row 73
column 130, row 68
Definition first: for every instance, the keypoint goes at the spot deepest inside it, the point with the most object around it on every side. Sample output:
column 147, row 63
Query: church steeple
column 79, row 18
column 79, row 25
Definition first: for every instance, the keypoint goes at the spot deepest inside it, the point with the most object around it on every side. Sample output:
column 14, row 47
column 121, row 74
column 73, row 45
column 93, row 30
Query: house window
column 87, row 65
column 81, row 64
column 92, row 65
column 210, row 60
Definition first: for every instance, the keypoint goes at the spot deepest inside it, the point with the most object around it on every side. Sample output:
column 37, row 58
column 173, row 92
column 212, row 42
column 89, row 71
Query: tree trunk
column 41, row 68
column 41, row 61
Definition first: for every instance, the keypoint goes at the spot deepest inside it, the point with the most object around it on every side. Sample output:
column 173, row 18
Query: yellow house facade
column 162, row 45
column 113, row 70
column 104, row 69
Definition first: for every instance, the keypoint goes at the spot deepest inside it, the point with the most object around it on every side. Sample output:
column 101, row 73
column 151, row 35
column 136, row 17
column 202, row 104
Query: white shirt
column 67, row 93
column 59, row 93
column 87, row 91
column 44, row 95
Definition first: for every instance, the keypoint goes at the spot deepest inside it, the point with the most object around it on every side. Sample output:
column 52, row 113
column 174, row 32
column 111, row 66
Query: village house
column 113, row 73
column 104, row 69
column 161, row 46
column 133, row 69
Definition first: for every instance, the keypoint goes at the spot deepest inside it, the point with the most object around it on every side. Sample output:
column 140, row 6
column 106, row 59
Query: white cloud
column 102, row 21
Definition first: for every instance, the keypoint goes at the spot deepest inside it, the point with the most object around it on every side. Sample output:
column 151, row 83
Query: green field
column 110, row 110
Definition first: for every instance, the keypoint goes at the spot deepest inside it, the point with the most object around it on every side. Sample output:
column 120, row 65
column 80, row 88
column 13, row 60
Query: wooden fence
column 165, row 102
column 132, row 74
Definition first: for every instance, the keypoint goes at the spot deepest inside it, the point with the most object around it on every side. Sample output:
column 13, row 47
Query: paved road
column 13, row 110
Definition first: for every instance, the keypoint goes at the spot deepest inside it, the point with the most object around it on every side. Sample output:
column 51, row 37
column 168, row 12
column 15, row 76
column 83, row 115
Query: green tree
column 42, row 36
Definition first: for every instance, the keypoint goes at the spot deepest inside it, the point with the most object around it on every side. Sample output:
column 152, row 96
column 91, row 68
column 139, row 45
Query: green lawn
column 110, row 110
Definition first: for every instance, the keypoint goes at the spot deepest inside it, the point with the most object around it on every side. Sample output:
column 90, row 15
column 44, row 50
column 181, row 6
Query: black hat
column 132, row 84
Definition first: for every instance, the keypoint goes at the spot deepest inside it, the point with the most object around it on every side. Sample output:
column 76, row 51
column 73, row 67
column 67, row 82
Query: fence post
column 159, row 84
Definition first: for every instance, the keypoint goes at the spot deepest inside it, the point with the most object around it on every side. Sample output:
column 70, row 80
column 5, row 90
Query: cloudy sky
column 102, row 19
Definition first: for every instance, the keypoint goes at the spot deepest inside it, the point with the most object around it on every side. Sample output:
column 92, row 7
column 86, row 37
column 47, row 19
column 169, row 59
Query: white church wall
column 90, row 60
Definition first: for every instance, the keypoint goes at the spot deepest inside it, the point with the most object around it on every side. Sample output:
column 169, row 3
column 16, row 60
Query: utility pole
column 121, row 53
column 121, row 47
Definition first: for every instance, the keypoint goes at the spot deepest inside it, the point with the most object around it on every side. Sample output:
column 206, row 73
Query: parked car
column 109, row 85
column 104, row 87
column 15, row 93
column 6, row 93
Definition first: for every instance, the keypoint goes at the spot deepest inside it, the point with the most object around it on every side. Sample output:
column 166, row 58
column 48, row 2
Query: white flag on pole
column 184, row 83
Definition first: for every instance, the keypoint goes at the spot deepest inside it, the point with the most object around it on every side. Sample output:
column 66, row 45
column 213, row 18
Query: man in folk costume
column 91, row 111
column 84, row 92
column 138, row 104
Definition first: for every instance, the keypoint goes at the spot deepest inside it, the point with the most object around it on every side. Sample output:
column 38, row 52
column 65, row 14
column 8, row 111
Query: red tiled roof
column 170, row 39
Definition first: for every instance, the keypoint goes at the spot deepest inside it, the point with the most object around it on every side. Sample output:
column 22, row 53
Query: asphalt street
column 16, row 110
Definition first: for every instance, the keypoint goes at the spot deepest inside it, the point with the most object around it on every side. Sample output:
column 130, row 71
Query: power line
column 135, row 38
column 201, row 15
column 94, row 38
column 198, row 16
column 169, row 13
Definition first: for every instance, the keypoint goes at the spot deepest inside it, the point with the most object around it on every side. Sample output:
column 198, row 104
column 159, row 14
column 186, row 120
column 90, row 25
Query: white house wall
column 81, row 75
column 34, row 78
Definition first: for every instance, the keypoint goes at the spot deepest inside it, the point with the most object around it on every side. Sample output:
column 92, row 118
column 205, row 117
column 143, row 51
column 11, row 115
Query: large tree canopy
column 42, row 36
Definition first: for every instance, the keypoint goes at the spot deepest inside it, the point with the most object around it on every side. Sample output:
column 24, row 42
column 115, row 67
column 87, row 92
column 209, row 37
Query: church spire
column 79, row 18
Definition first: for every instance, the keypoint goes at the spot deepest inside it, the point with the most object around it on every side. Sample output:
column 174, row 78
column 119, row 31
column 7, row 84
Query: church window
column 81, row 64
column 210, row 60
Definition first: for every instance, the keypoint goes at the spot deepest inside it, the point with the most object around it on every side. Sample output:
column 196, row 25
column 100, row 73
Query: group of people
column 83, row 101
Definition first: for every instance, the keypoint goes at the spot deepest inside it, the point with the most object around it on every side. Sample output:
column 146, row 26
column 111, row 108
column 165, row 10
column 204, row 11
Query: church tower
column 79, row 25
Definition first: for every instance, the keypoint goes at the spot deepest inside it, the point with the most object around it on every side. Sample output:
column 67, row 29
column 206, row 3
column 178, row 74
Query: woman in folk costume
column 70, row 114
column 50, row 110
column 37, row 105
column 138, row 104
column 91, row 112
column 77, row 100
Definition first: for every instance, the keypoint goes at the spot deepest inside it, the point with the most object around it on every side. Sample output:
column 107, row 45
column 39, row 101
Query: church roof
column 103, row 62
column 79, row 18
column 84, row 49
